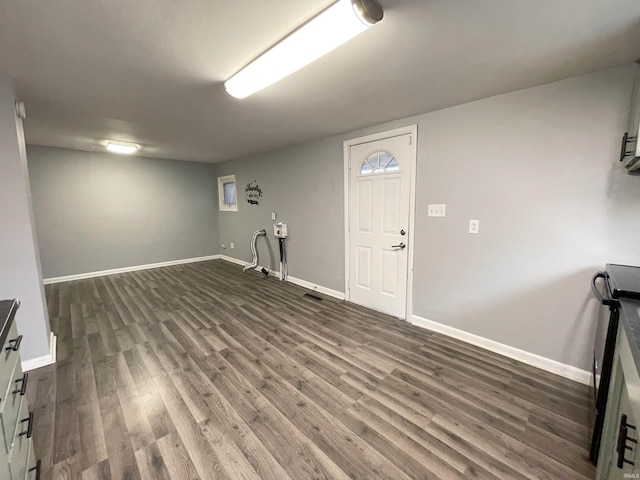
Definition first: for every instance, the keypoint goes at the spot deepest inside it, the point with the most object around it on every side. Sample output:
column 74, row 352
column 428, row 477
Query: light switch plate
column 273, row 215
column 474, row 226
column 437, row 210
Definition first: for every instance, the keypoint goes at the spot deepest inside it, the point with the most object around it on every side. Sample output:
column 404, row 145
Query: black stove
column 624, row 281
column 619, row 282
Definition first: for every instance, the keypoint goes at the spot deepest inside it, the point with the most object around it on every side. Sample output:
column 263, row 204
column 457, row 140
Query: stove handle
column 596, row 292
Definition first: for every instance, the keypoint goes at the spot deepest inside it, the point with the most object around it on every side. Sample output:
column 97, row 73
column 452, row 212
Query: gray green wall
column 537, row 167
column 20, row 273
column 304, row 186
column 100, row 211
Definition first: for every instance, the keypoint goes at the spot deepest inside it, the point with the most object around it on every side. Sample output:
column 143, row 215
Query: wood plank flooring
column 199, row 371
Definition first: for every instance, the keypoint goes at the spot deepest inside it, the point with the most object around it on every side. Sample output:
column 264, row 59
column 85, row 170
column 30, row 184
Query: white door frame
column 408, row 130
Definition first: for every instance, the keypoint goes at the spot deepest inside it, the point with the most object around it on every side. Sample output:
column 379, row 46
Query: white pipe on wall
column 254, row 252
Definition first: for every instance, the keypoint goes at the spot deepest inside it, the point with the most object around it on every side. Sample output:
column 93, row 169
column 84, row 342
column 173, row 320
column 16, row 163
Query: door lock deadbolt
column 402, row 232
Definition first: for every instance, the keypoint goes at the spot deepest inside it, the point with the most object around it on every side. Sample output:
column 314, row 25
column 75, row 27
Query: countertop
column 8, row 310
column 630, row 319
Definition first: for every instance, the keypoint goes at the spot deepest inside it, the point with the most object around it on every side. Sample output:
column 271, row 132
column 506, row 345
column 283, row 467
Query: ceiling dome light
column 122, row 148
column 328, row 30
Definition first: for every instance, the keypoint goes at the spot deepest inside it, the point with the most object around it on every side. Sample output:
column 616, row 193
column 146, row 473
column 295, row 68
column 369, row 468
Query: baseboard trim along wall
column 552, row 366
column 543, row 363
column 296, row 281
column 234, row 260
column 242, row 263
column 318, row 288
column 566, row 371
column 272, row 273
column 102, row 273
column 44, row 360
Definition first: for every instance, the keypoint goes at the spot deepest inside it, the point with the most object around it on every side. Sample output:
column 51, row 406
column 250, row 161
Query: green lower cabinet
column 8, row 358
column 32, row 464
column 10, row 406
column 4, row 466
column 619, row 454
column 17, row 461
column 21, row 445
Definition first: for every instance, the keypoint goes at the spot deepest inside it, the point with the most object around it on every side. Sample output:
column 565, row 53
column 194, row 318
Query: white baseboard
column 297, row 281
column 318, row 288
column 543, row 363
column 242, row 263
column 102, row 273
column 553, row 366
column 45, row 360
column 233, row 260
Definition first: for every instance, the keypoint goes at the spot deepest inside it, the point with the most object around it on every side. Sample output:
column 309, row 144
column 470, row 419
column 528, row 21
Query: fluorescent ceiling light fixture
column 331, row 28
column 124, row 148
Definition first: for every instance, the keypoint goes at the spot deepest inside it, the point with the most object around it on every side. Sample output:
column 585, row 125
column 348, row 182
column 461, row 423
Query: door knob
column 402, row 245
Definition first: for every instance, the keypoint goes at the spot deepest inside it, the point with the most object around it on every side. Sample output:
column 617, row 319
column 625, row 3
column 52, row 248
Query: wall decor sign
column 253, row 193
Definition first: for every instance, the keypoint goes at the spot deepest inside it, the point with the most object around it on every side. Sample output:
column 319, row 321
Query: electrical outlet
column 437, row 210
column 232, row 245
column 474, row 226
column 273, row 215
column 223, row 246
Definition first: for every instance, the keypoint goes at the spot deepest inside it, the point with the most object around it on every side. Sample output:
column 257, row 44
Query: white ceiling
column 151, row 71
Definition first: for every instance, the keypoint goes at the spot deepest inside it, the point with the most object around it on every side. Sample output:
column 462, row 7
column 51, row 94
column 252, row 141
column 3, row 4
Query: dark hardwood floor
column 199, row 371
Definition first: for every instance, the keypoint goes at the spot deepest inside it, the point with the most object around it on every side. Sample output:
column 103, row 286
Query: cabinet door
column 631, row 464
column 624, row 399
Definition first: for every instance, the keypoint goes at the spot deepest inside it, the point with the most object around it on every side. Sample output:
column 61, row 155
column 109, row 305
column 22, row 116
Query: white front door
column 378, row 227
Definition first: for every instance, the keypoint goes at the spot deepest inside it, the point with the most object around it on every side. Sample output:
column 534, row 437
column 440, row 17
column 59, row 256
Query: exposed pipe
column 254, row 252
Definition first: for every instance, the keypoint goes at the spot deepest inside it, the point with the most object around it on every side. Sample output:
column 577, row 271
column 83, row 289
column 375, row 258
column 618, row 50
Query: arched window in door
column 380, row 162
